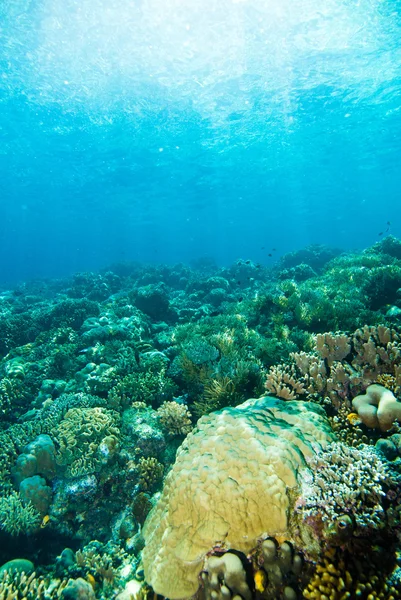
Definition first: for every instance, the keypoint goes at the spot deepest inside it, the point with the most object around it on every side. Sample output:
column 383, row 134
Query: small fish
column 238, row 283
column 274, row 249
column 45, row 521
column 353, row 419
column 260, row 579
column 247, row 262
column 262, row 248
column 240, row 299
column 388, row 223
column 381, row 233
column 270, row 254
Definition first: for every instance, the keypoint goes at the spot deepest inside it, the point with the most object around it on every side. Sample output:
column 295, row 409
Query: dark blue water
column 167, row 130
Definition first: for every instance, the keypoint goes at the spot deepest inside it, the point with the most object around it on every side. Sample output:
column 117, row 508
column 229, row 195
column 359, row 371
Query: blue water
column 165, row 130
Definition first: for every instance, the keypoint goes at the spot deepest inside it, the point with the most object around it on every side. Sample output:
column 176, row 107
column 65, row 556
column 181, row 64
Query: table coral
column 230, row 486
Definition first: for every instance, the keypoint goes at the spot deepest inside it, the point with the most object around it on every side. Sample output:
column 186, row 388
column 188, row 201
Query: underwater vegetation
column 204, row 432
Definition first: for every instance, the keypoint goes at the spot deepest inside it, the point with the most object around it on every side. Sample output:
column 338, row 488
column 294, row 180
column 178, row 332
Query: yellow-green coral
column 79, row 435
column 340, row 576
column 175, row 418
column 20, row 586
column 229, row 486
column 150, row 471
column 142, row 387
column 16, row 517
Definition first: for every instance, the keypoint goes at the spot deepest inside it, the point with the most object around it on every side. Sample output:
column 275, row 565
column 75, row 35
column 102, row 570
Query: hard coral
column 79, row 436
column 343, row 491
column 229, row 486
column 378, row 407
column 175, row 418
column 16, row 517
column 340, row 576
column 20, row 586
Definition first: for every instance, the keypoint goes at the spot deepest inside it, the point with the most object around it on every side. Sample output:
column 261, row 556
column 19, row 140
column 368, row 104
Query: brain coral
column 230, row 486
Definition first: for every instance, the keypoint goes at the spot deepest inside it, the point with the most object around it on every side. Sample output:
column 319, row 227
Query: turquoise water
column 166, row 131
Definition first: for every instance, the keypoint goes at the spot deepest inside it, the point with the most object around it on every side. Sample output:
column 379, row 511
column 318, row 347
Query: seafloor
column 288, row 487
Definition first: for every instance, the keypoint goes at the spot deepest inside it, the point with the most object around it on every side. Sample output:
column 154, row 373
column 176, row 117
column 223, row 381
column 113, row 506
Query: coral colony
column 210, row 433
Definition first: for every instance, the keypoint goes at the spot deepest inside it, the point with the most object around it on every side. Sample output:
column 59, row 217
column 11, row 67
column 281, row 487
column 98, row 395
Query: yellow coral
column 339, row 577
column 175, row 418
column 229, row 486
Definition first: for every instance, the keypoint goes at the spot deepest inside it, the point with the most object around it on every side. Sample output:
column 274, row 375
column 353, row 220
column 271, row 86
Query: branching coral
column 101, row 564
column 19, row 586
column 17, row 517
column 282, row 382
column 343, row 490
column 332, row 347
column 175, row 418
column 150, row 472
column 341, row 576
column 149, row 387
column 341, row 367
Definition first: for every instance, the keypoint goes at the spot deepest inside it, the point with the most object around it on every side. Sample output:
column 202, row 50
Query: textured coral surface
column 229, row 486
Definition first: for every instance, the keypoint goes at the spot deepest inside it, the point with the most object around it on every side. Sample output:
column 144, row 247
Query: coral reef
column 340, row 575
column 19, row 586
column 103, row 374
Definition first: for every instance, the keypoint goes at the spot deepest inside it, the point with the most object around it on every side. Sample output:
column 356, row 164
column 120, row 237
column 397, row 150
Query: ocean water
column 200, row 299
column 168, row 130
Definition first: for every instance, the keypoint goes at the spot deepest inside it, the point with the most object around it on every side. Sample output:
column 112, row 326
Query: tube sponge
column 378, row 408
column 230, row 485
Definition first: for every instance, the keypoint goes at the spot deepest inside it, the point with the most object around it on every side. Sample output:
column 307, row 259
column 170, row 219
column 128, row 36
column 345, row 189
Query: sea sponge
column 378, row 408
column 38, row 458
column 35, row 491
column 230, row 485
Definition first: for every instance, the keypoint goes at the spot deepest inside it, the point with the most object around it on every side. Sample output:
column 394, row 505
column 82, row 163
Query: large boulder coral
column 231, row 486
